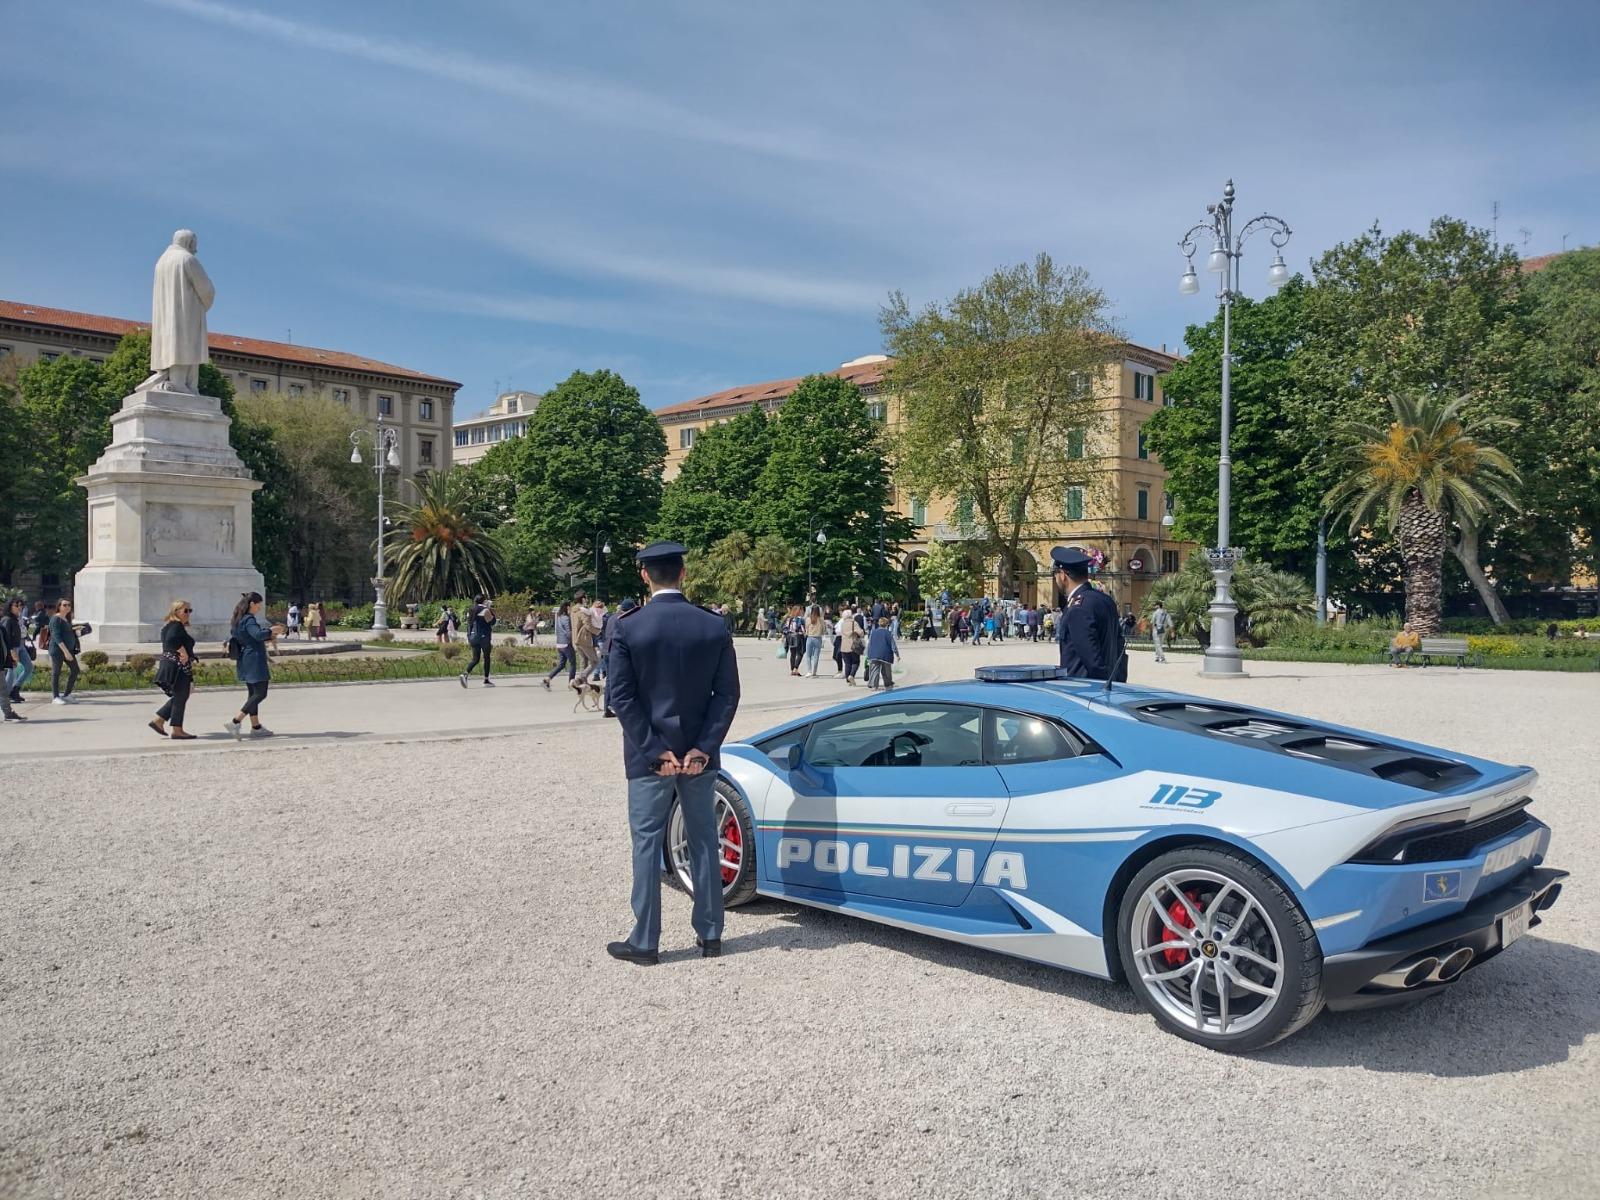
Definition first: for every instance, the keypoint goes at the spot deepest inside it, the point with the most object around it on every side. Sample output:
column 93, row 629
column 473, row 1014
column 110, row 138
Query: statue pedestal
column 169, row 519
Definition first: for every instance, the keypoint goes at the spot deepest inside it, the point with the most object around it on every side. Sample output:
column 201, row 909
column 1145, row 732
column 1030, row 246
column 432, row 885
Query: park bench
column 1443, row 648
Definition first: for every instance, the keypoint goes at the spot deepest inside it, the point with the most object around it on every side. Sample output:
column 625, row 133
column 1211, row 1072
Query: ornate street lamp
column 819, row 538
column 1222, row 655
column 386, row 446
column 601, row 546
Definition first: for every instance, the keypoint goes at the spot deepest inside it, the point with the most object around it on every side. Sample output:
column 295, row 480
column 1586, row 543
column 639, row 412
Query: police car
column 1239, row 868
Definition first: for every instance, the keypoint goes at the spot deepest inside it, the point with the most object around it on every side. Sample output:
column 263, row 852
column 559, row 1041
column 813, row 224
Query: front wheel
column 736, row 845
column 1218, row 950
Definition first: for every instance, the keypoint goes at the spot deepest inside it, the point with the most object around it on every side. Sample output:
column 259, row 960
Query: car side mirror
column 792, row 756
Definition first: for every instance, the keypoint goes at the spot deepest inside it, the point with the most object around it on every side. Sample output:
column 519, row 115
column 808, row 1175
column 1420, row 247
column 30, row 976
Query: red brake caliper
column 734, row 850
column 1177, row 956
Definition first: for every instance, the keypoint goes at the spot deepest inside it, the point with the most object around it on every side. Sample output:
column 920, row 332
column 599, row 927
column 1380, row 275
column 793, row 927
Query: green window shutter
column 1075, row 443
column 1144, row 504
column 1074, row 505
column 1144, row 450
column 964, row 512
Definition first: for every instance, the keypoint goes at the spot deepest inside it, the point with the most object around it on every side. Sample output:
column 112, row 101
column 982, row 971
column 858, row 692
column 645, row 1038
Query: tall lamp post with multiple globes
column 1227, row 248
column 814, row 537
column 386, row 453
column 602, row 545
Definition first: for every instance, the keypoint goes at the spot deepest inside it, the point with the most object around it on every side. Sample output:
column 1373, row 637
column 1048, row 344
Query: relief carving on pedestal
column 188, row 532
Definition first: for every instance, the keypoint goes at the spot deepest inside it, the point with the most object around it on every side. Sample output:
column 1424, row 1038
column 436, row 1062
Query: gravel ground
column 377, row 970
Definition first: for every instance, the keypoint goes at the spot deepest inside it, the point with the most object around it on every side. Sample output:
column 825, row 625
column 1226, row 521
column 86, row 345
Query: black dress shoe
column 711, row 949
column 628, row 952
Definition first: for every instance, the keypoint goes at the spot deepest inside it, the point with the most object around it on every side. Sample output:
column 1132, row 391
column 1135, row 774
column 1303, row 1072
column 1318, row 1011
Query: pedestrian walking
column 292, row 619
column 11, row 651
column 1129, row 623
column 247, row 643
column 815, row 627
column 626, row 607
column 583, row 645
column 64, row 649
column 316, row 621
column 480, row 636
column 530, row 625
column 675, row 688
column 175, row 672
column 850, row 645
column 762, row 627
column 837, row 634
column 1160, row 626
column 15, row 621
column 882, row 651
column 794, row 636
column 441, row 631
column 564, row 656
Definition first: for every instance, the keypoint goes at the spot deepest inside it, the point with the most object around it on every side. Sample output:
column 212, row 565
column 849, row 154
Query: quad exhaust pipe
column 1425, row 968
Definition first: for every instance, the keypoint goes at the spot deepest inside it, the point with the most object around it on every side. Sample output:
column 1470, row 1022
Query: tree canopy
column 714, row 492
column 996, row 393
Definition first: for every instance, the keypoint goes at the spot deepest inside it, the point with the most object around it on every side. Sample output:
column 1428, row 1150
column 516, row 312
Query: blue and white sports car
column 1239, row 868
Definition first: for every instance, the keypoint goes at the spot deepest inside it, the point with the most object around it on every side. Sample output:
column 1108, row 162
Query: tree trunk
column 1422, row 545
column 1465, row 548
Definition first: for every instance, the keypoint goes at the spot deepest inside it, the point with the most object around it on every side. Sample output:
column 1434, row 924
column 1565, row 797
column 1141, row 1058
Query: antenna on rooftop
column 1564, row 238
column 1527, row 235
column 1494, row 222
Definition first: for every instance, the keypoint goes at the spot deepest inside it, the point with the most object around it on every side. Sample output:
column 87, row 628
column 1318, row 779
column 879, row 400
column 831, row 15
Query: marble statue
column 182, row 294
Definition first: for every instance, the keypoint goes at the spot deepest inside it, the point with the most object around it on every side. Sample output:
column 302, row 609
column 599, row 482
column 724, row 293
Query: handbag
column 169, row 671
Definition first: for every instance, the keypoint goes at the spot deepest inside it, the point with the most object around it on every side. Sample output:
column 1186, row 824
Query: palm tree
column 1269, row 601
column 1425, row 468
column 438, row 547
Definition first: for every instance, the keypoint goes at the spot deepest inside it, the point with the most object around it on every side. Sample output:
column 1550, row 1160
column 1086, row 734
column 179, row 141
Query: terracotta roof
column 1539, row 263
column 862, row 375
column 227, row 343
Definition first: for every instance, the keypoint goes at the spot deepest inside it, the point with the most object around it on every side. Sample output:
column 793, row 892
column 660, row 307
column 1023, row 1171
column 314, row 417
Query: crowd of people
column 854, row 633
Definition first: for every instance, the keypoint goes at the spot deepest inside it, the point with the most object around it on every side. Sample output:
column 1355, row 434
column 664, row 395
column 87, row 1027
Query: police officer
column 1088, row 630
column 675, row 687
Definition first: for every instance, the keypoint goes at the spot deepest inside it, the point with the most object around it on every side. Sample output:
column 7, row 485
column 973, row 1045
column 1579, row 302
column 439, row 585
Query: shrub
column 507, row 654
column 93, row 660
column 452, row 651
column 141, row 664
column 385, row 635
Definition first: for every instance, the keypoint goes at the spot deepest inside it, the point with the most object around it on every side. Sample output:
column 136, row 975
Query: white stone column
column 169, row 518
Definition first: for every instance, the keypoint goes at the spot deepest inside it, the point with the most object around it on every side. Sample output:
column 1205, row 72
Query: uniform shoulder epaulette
column 623, row 616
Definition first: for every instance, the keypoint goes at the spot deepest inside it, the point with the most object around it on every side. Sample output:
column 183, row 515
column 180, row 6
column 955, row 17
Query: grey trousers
column 649, row 802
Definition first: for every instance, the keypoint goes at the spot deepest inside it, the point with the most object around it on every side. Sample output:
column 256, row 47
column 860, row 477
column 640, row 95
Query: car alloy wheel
column 735, row 842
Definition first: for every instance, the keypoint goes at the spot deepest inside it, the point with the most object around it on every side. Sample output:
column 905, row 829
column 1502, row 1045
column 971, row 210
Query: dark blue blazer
column 673, row 682
column 1089, row 631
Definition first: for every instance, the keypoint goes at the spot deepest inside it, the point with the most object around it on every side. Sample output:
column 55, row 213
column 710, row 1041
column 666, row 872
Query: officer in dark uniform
column 1088, row 629
column 675, row 687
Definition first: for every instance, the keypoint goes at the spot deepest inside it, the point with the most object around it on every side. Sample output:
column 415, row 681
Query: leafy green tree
column 713, row 494
column 438, row 548
column 329, row 503
column 1280, row 472
column 272, row 526
column 995, row 391
column 741, row 570
column 1424, row 470
column 827, row 472
column 1436, row 314
column 588, row 468
column 14, row 476
column 1270, row 602
column 948, row 566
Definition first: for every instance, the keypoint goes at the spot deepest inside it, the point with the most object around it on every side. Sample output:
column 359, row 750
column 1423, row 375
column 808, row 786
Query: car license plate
column 1514, row 924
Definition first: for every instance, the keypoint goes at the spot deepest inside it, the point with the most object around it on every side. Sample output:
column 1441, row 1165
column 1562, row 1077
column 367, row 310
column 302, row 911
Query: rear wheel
column 1218, row 950
column 736, row 844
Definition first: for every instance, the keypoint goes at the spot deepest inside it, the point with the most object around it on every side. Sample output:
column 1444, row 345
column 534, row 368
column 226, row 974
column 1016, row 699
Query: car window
column 777, row 748
column 1022, row 738
column 899, row 735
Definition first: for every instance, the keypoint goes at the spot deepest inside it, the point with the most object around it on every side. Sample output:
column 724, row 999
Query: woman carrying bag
column 175, row 672
column 248, row 644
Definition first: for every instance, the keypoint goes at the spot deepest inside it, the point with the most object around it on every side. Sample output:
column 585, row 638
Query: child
column 881, row 655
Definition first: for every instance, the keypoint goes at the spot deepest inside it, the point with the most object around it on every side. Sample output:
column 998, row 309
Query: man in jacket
column 1088, row 631
column 11, row 652
column 675, row 687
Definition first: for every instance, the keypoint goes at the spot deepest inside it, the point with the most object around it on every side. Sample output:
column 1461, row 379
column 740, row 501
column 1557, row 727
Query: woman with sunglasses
column 250, row 637
column 176, row 673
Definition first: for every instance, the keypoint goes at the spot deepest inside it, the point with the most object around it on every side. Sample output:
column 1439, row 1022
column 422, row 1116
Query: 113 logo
column 1177, row 795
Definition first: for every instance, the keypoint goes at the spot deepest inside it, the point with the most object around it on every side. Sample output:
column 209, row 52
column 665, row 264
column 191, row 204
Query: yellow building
column 1119, row 513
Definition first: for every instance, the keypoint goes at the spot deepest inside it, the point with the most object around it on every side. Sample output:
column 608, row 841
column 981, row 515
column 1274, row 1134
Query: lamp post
column 1322, row 570
column 386, row 453
column 600, row 547
column 1222, row 655
column 818, row 538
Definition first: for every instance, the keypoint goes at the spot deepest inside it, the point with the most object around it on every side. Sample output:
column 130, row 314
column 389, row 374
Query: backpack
column 233, row 647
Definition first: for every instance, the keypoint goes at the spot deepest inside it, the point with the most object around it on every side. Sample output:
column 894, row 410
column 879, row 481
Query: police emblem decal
column 1441, row 885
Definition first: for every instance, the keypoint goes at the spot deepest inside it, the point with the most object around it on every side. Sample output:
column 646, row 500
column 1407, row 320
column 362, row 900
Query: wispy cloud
column 577, row 95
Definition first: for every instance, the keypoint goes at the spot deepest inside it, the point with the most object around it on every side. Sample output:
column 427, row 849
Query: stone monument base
column 169, row 519
column 136, row 600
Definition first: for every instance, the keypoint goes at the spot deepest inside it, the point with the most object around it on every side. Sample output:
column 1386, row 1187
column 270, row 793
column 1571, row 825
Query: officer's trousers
column 649, row 802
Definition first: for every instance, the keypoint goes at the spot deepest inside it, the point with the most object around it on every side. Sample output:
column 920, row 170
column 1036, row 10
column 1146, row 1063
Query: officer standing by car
column 1088, row 629
column 675, row 687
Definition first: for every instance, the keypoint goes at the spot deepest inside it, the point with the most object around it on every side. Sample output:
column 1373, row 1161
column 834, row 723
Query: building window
column 296, row 389
column 1018, row 509
column 5, row 352
column 964, row 513
column 342, row 395
column 48, row 356
column 1169, row 561
column 1144, row 450
column 425, row 452
column 478, row 435
column 496, row 432
column 511, row 404
column 1144, row 386
column 386, row 406
column 461, row 437
column 425, row 410
column 92, row 358
column 1143, row 504
column 686, row 438
column 876, row 410
column 258, row 385
column 919, row 512
column 1073, row 509
column 1075, row 443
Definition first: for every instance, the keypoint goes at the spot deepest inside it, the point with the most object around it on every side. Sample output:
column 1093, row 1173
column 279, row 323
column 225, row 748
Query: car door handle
column 960, row 809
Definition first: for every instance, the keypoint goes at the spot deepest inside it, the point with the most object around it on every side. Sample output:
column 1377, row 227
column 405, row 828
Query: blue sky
column 703, row 194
